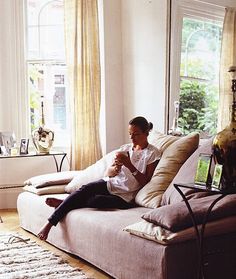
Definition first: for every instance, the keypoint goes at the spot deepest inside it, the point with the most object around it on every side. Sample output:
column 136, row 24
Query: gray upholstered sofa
column 124, row 244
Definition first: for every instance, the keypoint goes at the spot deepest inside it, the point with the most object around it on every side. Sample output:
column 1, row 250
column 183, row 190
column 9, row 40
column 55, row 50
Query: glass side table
column 54, row 154
column 199, row 230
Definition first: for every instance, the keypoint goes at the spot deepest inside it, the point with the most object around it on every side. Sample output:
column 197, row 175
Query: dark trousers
column 93, row 195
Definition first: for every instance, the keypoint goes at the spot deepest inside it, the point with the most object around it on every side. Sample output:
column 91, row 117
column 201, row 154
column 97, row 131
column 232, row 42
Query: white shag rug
column 22, row 258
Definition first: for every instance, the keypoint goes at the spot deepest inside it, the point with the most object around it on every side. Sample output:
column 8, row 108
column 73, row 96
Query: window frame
column 46, row 61
column 179, row 10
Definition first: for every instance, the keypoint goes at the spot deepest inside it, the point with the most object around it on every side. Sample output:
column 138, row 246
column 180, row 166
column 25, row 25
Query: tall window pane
column 47, row 77
column 199, row 75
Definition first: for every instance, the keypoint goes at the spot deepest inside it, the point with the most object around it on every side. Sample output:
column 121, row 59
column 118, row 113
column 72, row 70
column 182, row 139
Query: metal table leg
column 199, row 233
column 58, row 167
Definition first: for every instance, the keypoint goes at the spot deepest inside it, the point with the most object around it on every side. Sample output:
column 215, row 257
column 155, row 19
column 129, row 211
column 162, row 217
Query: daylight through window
column 47, row 77
column 199, row 75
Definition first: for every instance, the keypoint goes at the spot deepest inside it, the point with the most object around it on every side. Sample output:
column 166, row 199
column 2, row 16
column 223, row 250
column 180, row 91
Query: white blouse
column 124, row 184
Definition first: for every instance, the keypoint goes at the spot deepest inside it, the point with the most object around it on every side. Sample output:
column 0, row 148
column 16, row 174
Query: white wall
column 135, row 65
column 144, row 59
column 113, row 83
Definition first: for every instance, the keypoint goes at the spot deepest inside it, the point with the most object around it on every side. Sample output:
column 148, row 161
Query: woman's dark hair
column 142, row 123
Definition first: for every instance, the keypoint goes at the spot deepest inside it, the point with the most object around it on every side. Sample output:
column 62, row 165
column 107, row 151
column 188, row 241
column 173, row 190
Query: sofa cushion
column 186, row 174
column 158, row 234
column 160, row 140
column 52, row 189
column 176, row 217
column 55, row 178
column 172, row 159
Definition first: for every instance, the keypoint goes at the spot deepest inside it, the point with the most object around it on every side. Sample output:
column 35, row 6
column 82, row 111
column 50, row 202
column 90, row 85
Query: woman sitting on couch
column 133, row 167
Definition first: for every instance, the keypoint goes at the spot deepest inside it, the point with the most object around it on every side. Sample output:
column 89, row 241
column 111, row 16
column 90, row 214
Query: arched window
column 47, row 77
column 199, row 75
column 195, row 44
column 45, row 29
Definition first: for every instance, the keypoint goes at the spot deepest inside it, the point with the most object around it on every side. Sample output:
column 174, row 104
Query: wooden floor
column 11, row 223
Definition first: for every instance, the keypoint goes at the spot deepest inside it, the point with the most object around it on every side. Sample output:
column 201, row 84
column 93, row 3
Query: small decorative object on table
column 43, row 137
column 7, row 142
column 224, row 144
column 175, row 131
column 202, row 176
column 24, row 143
column 216, row 180
column 3, row 151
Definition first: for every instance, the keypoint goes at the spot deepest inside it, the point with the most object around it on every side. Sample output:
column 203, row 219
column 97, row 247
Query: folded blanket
column 57, row 178
column 176, row 217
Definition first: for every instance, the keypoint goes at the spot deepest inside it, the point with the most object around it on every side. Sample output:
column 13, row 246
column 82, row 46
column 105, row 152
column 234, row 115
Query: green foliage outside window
column 198, row 107
column 34, row 94
column 199, row 90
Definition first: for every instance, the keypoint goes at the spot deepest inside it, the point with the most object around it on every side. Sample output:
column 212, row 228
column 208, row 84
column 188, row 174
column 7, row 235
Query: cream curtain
column 82, row 56
column 228, row 58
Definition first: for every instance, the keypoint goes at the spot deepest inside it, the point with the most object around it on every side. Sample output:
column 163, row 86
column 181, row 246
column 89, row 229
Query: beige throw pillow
column 49, row 179
column 161, row 141
column 186, row 174
column 172, row 159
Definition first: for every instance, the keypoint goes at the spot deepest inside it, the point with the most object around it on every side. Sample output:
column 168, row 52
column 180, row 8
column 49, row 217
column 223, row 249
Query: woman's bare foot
column 53, row 202
column 43, row 234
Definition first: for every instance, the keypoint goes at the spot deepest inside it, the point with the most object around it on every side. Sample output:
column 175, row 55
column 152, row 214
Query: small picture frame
column 3, row 150
column 202, row 176
column 8, row 140
column 24, row 143
column 216, row 180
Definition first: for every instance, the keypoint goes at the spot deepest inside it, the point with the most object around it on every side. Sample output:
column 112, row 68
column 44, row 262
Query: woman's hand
column 122, row 158
column 113, row 170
